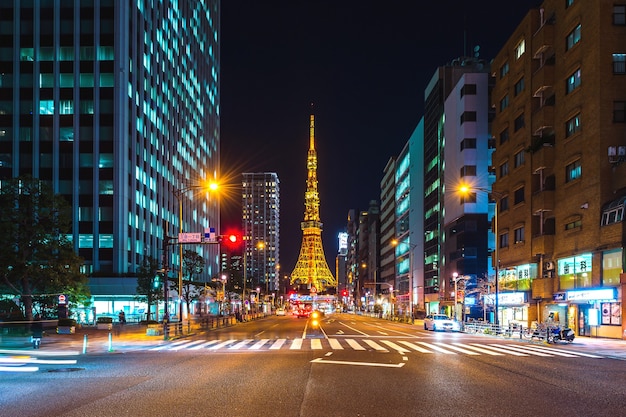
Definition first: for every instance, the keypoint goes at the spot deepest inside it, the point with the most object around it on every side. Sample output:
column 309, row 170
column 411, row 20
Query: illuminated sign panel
column 343, row 243
column 586, row 295
column 507, row 298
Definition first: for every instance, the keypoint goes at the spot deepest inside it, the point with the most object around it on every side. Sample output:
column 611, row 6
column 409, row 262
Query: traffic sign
column 189, row 237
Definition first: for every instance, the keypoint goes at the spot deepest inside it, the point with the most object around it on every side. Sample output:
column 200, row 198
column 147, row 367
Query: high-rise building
column 116, row 104
column 261, row 230
column 560, row 99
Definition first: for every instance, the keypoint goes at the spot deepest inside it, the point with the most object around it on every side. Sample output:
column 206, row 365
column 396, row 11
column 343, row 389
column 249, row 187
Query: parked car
column 104, row 323
column 280, row 312
column 441, row 322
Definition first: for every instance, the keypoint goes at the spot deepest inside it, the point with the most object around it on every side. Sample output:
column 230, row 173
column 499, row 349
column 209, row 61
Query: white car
column 441, row 322
column 280, row 312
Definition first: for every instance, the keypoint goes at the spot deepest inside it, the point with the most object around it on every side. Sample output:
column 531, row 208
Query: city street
column 351, row 366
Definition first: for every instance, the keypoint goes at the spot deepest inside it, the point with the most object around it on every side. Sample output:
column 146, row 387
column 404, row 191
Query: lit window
column 573, row 81
column 573, row 38
column 573, row 171
column 520, row 49
column 573, row 225
column 572, row 126
column 46, row 107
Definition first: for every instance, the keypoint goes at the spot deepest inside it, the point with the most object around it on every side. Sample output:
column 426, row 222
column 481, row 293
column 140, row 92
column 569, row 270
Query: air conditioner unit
column 548, row 266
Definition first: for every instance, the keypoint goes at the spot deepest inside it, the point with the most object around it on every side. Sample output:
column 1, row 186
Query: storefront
column 595, row 312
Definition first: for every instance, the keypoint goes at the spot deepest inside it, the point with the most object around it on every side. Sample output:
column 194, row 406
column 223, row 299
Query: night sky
column 364, row 65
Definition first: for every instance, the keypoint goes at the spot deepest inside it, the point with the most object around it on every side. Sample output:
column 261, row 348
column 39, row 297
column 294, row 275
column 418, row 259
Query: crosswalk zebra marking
column 354, row 344
column 334, row 344
column 481, row 350
column 458, row 349
column 380, row 345
column 375, row 345
column 203, row 345
column 221, row 345
column 259, row 344
column 415, row 347
column 241, row 344
column 437, row 348
column 278, row 344
column 395, row 346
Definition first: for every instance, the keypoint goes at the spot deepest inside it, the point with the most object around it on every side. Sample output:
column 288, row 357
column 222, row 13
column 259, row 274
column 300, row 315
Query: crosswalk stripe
column 241, row 344
column 186, row 345
column 354, row 344
column 221, row 345
column 316, row 344
column 395, row 346
column 334, row 344
column 437, row 348
column 481, row 350
column 558, row 352
column 458, row 349
column 509, row 352
column 296, row 344
column 278, row 344
column 375, row 345
column 259, row 344
column 526, row 351
column 179, row 342
column 415, row 347
column 203, row 345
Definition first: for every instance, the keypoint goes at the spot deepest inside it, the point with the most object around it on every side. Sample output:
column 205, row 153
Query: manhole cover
column 66, row 369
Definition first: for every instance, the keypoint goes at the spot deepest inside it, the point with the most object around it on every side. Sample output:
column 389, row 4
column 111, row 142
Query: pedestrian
column 122, row 317
column 36, row 329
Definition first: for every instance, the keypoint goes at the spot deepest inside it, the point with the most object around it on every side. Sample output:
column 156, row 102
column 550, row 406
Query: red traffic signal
column 232, row 238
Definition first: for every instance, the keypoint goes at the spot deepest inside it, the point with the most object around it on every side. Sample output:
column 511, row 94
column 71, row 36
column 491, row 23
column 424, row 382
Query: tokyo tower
column 311, row 268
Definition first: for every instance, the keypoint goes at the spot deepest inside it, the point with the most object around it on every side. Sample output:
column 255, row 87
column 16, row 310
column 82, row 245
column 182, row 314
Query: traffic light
column 233, row 239
column 157, row 281
column 344, row 293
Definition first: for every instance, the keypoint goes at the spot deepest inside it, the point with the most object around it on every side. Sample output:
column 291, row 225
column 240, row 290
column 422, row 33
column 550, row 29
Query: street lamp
column 394, row 242
column 466, row 189
column 178, row 193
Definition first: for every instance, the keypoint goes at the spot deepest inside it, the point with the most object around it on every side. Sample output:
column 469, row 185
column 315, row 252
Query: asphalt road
column 351, row 366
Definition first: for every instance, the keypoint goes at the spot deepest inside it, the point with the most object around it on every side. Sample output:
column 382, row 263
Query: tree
column 193, row 265
column 149, row 284
column 38, row 259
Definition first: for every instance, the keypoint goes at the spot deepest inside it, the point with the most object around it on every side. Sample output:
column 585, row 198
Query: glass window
column 66, row 53
column 519, row 234
column 619, row 15
column 46, row 107
column 572, row 126
column 568, row 3
column 504, row 103
column 573, row 81
column 6, row 107
column 573, row 38
column 619, row 63
column 504, row 69
column 107, row 80
column 86, row 80
column 519, row 122
column 66, row 134
column 469, row 89
column 503, row 204
column 468, row 198
column 27, row 54
column 66, row 107
column 67, row 80
column 573, row 171
column 106, row 187
column 106, row 160
column 619, row 111
column 518, row 196
column 504, row 136
column 520, row 48
column 46, row 80
column 86, row 107
column 106, row 53
column 468, row 143
column 468, row 116
column 519, row 159
column 468, row 171
column 504, row 169
column 519, row 86
column 504, row 240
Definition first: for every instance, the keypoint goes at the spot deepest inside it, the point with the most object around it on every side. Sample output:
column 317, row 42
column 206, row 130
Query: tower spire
column 312, row 268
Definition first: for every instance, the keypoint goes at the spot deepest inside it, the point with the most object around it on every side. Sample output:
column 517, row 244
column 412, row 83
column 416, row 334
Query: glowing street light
column 178, row 193
column 468, row 190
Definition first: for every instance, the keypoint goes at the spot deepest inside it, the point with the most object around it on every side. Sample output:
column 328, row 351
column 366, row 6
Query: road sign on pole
column 189, row 237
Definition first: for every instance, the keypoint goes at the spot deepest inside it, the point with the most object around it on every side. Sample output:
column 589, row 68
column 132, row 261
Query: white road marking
column 384, row 365
column 354, row 344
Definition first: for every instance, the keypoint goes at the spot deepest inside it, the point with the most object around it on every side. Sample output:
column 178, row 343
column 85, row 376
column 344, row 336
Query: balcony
column 543, row 244
column 543, row 40
column 543, row 201
column 542, row 120
column 543, row 79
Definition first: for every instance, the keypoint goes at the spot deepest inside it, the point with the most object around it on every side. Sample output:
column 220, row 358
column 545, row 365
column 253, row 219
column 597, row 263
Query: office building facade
column 116, row 105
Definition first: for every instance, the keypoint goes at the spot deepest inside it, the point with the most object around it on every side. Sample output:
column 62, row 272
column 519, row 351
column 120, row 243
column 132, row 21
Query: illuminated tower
column 311, row 268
